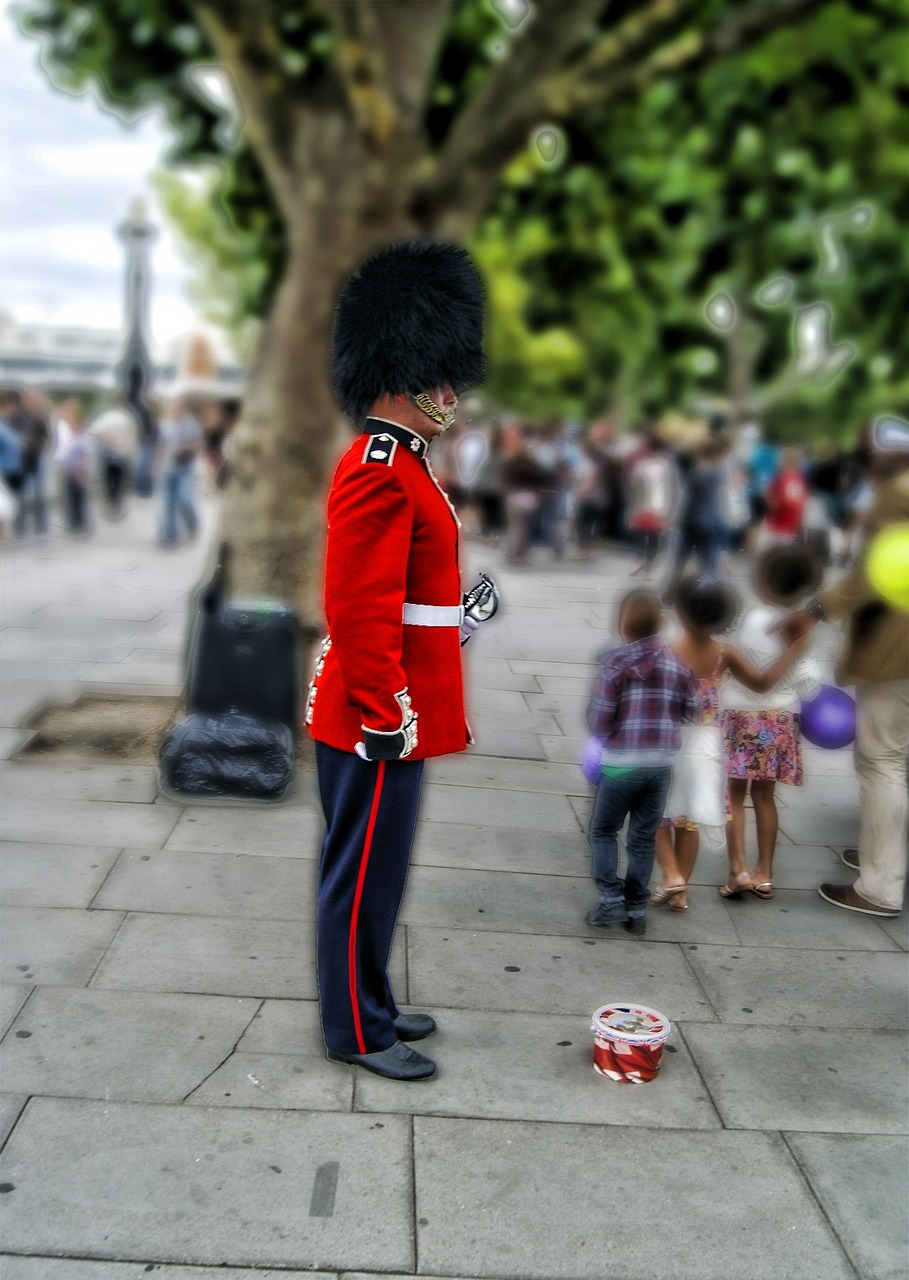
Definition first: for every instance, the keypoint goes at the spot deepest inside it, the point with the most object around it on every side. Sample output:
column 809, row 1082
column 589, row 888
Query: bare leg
column 686, row 855
column 767, row 823
column 738, row 878
column 671, row 855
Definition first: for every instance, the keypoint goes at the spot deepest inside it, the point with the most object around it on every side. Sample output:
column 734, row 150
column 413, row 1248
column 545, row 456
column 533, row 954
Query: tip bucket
column 628, row 1042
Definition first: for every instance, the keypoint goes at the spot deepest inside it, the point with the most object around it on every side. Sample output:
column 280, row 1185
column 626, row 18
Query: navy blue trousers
column 370, row 814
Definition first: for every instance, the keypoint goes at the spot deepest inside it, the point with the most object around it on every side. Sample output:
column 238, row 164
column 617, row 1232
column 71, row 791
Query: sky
column 69, row 171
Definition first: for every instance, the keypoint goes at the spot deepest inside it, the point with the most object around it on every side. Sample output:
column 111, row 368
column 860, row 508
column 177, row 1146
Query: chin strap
column 443, row 417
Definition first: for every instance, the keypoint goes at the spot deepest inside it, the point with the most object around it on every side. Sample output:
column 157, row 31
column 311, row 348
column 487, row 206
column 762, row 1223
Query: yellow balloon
column 888, row 564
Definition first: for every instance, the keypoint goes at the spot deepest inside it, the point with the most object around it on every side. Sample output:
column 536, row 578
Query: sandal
column 735, row 891
column 661, row 896
column 763, row 890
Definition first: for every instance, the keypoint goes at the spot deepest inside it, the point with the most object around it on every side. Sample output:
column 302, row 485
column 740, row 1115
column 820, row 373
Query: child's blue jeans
column 639, row 794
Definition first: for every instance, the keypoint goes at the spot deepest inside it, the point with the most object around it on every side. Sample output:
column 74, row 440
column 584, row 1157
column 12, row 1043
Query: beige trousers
column 881, row 754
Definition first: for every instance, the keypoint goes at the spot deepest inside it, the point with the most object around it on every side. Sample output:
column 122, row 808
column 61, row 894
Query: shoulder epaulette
column 380, row 449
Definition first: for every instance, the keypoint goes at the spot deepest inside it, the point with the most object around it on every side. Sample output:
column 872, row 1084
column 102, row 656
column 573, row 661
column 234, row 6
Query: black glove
column 395, row 744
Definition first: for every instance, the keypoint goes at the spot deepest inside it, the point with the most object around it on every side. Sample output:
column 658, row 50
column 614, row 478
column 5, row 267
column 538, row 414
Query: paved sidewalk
column 167, row 1108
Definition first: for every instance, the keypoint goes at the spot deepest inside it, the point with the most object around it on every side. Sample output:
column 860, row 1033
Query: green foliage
column 600, row 262
column 716, row 183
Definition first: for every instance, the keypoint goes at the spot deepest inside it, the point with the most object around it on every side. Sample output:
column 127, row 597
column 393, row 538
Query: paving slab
column 790, row 987
column 494, row 673
column 25, row 698
column 54, row 947
column 11, row 1107
column 203, row 1186
column 569, row 709
column 547, row 668
column 13, row 741
column 279, row 1081
column 70, row 1269
column 494, row 808
column 211, row 884
column 86, row 822
column 469, row 770
column 525, row 904
column 277, row 831
column 284, row 1026
column 567, row 1201
column 462, row 845
column 211, row 956
column 862, row 1183
column 130, row 1046
column 808, row 1079
column 838, row 827
column 40, row 779
column 802, row 919
column 12, row 998
column 502, row 741
column 131, row 679
column 54, row 875
column 217, row 956
column 563, row 750
column 451, row 968
column 530, row 1066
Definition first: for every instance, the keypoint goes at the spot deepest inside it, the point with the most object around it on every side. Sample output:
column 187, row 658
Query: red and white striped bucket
column 628, row 1042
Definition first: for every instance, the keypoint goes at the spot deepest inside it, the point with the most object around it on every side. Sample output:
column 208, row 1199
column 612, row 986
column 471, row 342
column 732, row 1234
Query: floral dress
column 763, row 746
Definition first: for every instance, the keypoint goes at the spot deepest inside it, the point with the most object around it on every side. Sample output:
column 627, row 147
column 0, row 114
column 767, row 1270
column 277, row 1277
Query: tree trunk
column 291, row 430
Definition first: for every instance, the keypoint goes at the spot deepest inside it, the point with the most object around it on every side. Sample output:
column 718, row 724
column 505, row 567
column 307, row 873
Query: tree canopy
column 614, row 165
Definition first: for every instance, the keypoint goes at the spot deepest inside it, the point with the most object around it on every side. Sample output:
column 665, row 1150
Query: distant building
column 67, row 359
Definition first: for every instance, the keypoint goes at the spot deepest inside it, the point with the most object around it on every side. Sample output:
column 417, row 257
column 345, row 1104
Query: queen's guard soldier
column 387, row 691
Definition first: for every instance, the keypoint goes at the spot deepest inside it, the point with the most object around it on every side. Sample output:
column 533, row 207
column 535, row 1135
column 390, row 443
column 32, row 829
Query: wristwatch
column 813, row 606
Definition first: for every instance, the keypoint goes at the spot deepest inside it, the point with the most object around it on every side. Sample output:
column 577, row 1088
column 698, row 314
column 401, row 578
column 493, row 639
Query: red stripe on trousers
column 358, row 895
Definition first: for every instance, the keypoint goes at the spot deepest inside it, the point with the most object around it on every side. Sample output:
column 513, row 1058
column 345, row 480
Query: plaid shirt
column 642, row 695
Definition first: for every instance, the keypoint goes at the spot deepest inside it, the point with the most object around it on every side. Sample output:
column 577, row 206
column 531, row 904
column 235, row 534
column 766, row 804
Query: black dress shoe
column 414, row 1026
column 636, row 925
column 397, row 1063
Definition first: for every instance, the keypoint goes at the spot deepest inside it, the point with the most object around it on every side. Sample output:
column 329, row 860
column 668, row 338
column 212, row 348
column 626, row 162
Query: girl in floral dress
column 761, row 730
column 704, row 607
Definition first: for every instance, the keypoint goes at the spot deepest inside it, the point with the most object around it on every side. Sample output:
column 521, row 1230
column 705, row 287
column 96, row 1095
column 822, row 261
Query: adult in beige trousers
column 874, row 656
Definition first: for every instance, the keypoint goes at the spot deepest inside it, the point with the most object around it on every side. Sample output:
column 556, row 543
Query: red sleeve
column 369, row 532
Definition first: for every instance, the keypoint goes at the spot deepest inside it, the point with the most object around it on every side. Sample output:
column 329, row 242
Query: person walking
column 387, row 692
column 181, row 441
column 874, row 656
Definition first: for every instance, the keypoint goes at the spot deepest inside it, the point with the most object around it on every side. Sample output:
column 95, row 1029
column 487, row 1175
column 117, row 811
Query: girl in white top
column 761, row 732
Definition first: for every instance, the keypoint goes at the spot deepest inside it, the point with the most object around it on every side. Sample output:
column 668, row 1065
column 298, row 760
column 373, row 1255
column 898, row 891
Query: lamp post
column 134, row 370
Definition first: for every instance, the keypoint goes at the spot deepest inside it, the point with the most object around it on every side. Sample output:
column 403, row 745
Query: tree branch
column 494, row 123
column 362, row 67
column 244, row 38
column 411, row 33
column 593, row 86
column 621, row 64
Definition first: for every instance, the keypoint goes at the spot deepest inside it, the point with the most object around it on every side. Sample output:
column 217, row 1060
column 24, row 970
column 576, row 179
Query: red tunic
column 392, row 539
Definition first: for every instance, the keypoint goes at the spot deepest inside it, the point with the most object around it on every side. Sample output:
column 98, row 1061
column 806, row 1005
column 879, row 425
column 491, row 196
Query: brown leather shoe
column 843, row 895
column 850, row 858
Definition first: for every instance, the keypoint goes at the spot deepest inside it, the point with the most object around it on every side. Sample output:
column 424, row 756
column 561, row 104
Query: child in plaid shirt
column 643, row 693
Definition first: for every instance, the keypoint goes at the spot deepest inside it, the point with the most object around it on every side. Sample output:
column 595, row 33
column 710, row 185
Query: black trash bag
column 228, row 756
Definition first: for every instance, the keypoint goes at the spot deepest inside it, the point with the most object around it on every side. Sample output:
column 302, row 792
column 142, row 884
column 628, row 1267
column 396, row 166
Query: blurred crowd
column 61, row 465
column 567, row 488
column 564, row 487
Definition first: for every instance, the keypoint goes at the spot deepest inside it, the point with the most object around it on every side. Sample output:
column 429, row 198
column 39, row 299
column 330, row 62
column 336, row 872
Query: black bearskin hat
column 409, row 319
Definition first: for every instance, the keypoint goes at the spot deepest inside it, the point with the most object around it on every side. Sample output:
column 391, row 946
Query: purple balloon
column 828, row 719
column 590, row 760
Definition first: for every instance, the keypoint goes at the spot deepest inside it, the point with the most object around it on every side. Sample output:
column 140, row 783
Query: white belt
column 433, row 615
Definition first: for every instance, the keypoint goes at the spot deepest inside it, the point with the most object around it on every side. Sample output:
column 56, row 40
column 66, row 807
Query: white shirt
column 762, row 650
